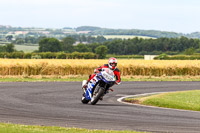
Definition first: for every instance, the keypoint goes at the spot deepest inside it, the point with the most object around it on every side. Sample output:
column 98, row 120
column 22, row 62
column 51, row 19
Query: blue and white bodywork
column 91, row 85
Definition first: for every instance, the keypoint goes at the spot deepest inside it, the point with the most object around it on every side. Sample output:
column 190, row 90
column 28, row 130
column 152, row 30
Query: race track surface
column 59, row 104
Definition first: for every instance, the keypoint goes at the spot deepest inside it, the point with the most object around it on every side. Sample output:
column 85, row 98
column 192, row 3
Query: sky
column 182, row 16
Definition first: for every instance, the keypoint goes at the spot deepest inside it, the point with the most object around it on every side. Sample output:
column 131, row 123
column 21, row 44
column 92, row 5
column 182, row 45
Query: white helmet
column 112, row 63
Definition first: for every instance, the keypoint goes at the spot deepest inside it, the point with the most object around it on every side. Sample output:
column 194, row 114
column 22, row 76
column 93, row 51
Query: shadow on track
column 114, row 105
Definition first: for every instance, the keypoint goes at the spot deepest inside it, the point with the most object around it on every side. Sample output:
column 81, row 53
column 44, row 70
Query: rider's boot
column 101, row 98
column 84, row 85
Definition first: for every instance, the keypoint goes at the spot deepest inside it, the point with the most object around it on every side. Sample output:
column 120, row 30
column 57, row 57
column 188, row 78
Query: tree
column 9, row 37
column 67, row 44
column 82, row 48
column 49, row 45
column 100, row 39
column 2, row 48
column 10, row 48
column 92, row 46
column 30, row 39
column 19, row 41
column 189, row 51
column 40, row 38
column 101, row 51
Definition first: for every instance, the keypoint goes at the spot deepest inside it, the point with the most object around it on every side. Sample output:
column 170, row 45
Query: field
column 63, row 67
column 124, row 36
column 26, row 48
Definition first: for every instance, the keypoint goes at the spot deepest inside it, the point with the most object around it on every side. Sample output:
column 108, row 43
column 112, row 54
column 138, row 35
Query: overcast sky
column 166, row 15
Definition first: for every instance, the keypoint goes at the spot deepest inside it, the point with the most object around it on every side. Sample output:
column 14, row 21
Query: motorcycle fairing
column 91, row 85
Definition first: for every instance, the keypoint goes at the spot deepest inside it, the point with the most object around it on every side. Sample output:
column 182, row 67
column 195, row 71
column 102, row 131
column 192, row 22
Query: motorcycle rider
column 112, row 64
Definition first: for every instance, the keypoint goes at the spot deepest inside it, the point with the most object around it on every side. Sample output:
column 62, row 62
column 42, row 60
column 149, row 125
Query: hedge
column 48, row 55
column 177, row 57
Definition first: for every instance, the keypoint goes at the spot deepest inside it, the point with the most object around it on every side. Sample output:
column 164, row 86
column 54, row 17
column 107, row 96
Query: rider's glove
column 96, row 71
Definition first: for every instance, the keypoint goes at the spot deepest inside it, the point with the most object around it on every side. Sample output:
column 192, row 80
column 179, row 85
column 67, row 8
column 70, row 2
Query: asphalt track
column 58, row 104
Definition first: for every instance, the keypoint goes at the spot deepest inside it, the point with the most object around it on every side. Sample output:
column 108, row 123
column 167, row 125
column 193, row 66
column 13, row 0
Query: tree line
column 151, row 46
column 137, row 46
column 35, row 40
column 67, row 45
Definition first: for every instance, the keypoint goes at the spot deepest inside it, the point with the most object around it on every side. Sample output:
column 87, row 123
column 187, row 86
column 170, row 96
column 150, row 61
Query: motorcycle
column 98, row 86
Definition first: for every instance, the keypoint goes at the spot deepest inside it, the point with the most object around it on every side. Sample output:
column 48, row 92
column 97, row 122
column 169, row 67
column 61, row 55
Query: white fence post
column 149, row 57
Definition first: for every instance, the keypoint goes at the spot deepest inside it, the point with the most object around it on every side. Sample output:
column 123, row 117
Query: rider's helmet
column 112, row 63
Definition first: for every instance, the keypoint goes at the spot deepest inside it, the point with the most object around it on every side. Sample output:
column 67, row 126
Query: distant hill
column 88, row 30
column 194, row 35
column 135, row 32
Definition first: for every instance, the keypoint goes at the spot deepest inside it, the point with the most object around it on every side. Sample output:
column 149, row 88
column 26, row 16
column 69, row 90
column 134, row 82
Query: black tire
column 84, row 101
column 96, row 98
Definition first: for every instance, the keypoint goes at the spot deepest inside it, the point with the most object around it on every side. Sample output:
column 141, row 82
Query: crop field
column 127, row 67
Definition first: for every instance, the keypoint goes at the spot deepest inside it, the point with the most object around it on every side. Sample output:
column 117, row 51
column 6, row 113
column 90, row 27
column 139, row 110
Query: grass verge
column 187, row 100
column 15, row 128
column 40, row 78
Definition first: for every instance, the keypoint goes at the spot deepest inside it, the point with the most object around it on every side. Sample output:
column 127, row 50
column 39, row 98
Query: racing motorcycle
column 98, row 86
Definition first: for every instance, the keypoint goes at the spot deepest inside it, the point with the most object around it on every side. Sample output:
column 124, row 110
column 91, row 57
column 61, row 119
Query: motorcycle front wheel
column 97, row 95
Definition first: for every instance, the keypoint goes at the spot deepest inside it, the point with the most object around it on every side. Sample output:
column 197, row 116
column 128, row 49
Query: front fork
column 106, row 87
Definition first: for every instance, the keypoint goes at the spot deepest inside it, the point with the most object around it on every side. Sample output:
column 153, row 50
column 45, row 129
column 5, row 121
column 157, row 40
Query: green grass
column 167, row 78
column 85, row 77
column 125, row 56
column 26, row 48
column 42, row 79
column 15, row 128
column 187, row 100
column 4, row 43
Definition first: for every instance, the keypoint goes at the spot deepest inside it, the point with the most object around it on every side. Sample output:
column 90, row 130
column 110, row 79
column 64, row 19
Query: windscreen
column 108, row 71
